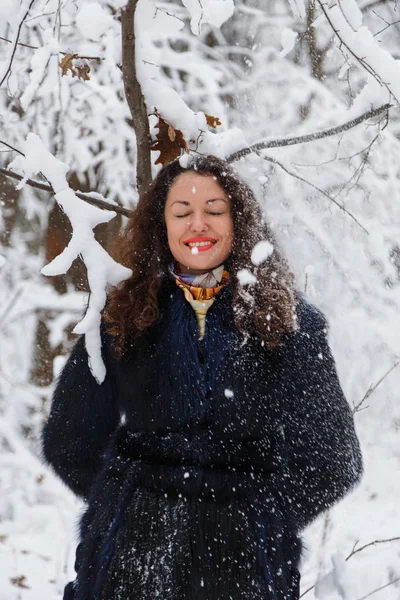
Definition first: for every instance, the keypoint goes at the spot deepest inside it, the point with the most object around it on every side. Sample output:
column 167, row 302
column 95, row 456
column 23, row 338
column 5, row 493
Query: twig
column 380, row 588
column 353, row 552
column 135, row 97
column 365, row 152
column 307, row 590
column 103, row 204
column 375, row 3
column 12, row 148
column 20, row 44
column 310, row 137
column 274, row 161
column 63, row 53
column 8, row 71
column 371, row 389
column 11, row 303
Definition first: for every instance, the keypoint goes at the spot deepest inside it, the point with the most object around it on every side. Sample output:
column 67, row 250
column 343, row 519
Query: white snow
column 39, row 62
column 261, row 252
column 288, row 40
column 215, row 12
column 245, row 277
column 8, row 11
column 338, row 580
column 298, row 8
column 93, row 21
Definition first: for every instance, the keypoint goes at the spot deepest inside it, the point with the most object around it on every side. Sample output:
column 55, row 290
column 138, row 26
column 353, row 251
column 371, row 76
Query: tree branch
column 8, row 71
column 373, row 4
column 380, row 588
column 359, row 59
column 353, row 552
column 315, row 187
column 310, row 137
column 63, row 53
column 371, row 389
column 103, row 204
column 135, row 97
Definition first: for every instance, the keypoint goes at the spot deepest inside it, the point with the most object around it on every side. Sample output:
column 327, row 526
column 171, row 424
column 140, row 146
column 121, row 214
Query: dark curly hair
column 265, row 309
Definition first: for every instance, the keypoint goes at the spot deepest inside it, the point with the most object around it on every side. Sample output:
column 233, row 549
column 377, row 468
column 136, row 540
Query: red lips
column 199, row 239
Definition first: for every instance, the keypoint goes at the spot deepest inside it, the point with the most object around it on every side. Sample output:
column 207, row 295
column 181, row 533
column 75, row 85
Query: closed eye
column 216, row 214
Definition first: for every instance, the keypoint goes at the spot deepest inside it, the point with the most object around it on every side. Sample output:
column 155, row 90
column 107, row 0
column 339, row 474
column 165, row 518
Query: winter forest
column 303, row 97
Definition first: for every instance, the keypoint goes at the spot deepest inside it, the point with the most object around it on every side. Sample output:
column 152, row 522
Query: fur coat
column 201, row 461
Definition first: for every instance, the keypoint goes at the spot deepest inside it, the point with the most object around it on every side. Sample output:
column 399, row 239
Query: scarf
column 200, row 290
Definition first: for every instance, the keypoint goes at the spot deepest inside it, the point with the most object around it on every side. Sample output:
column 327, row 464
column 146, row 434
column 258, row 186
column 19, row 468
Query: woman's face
column 199, row 223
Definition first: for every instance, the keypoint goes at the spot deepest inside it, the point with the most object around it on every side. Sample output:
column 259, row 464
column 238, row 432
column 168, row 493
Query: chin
column 199, row 265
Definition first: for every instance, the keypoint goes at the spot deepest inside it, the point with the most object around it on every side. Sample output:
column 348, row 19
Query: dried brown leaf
column 20, row 582
column 66, row 64
column 81, row 71
column 212, row 121
column 169, row 141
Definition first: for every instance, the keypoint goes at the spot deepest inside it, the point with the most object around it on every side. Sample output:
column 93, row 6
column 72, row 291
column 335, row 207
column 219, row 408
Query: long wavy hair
column 265, row 309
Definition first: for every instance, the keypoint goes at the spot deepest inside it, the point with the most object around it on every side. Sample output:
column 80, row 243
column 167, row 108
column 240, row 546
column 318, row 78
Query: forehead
column 191, row 186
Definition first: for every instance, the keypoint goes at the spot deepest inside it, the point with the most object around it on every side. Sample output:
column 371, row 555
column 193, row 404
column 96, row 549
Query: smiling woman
column 199, row 223
column 221, row 429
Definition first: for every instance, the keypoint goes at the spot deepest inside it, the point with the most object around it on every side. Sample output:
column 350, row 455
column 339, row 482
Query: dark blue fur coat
column 201, row 461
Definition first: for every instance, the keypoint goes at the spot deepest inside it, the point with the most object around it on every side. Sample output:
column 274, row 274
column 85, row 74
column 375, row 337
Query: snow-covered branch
column 101, row 268
column 310, row 137
column 94, row 200
column 360, row 48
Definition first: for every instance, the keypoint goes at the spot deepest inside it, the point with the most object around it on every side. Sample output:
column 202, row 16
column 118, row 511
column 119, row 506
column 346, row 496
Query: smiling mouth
column 198, row 244
column 201, row 246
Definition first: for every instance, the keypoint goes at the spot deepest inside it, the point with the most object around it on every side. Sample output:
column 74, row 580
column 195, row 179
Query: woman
column 221, row 429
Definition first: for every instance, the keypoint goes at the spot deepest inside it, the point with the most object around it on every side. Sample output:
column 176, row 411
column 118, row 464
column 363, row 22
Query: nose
column 198, row 222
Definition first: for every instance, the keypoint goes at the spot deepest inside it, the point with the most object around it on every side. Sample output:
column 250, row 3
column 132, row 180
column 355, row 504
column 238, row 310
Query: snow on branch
column 161, row 99
column 94, row 199
column 310, row 137
column 360, row 48
column 101, row 268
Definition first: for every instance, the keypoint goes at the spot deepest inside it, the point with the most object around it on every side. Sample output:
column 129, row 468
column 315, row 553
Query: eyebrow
column 186, row 203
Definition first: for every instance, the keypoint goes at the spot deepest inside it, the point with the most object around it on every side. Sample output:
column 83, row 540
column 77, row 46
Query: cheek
column 229, row 234
column 170, row 229
column 175, row 231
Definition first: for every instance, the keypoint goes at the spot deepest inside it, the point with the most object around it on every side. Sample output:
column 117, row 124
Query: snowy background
column 270, row 72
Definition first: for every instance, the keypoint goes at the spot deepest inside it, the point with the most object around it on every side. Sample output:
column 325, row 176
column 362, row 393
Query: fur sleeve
column 83, row 415
column 323, row 458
